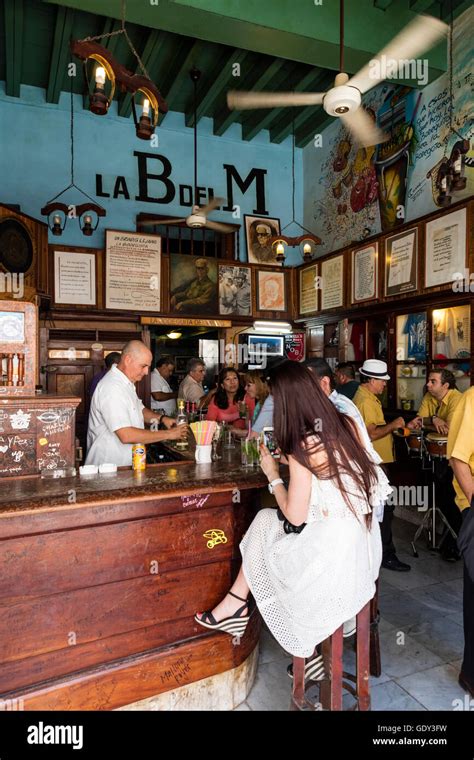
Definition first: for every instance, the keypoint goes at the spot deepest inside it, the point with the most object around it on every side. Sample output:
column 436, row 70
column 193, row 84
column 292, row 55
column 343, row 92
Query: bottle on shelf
column 181, row 419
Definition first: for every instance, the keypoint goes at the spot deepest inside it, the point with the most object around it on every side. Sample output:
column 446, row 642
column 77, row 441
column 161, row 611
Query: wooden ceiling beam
column 226, row 118
column 284, row 126
column 13, row 17
column 382, row 4
column 149, row 56
column 252, row 128
column 316, row 125
column 60, row 54
column 215, row 89
column 190, row 60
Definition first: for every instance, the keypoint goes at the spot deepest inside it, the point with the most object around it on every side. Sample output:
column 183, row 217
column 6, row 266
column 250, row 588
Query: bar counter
column 101, row 577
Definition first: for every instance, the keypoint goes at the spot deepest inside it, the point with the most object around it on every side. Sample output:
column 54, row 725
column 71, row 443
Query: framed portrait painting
column 193, row 284
column 258, row 231
column 235, row 291
column 271, row 291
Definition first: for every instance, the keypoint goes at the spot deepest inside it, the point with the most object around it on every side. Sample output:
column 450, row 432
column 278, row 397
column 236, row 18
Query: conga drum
column 415, row 443
column 436, row 445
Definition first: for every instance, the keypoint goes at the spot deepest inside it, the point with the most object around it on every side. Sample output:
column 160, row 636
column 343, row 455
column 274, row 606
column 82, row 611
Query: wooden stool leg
column 298, row 695
column 331, row 689
column 375, row 661
column 362, row 658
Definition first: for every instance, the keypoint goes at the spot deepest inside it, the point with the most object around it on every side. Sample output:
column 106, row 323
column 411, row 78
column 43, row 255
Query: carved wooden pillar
column 9, row 369
column 21, row 369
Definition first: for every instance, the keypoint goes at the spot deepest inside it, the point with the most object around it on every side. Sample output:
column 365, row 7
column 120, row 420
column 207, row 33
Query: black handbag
column 288, row 527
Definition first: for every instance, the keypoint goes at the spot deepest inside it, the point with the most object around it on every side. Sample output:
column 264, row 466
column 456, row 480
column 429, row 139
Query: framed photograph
column 74, row 278
column 332, row 283
column 271, row 291
column 235, row 291
column 193, row 285
column 445, row 251
column 132, row 271
column 258, row 231
column 309, row 286
column 265, row 345
column 401, row 262
column 364, row 273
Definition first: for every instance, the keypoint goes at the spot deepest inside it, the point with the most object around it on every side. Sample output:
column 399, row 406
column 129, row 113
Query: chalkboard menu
column 36, row 434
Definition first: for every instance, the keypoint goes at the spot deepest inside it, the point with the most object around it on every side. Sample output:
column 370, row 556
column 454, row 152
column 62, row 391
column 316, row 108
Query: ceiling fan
column 344, row 99
column 198, row 217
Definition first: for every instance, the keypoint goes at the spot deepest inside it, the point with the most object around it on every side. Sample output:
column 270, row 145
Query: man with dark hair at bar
column 374, row 378
column 162, row 395
column 437, row 409
column 345, row 379
column 110, row 360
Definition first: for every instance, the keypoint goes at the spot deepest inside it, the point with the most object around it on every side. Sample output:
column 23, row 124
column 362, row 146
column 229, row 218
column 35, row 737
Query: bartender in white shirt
column 117, row 417
column 162, row 396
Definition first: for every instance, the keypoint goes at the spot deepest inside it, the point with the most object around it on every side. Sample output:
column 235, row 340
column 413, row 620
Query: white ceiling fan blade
column 218, row 227
column 242, row 100
column 363, row 128
column 154, row 222
column 213, row 203
column 416, row 38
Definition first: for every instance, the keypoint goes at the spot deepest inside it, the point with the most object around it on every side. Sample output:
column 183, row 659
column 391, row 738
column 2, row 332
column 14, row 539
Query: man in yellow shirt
column 439, row 403
column 461, row 459
column 374, row 378
column 437, row 409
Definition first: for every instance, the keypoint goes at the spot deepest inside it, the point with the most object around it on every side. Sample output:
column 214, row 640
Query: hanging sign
column 294, row 346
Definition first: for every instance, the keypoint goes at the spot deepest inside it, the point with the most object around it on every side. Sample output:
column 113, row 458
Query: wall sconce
column 307, row 245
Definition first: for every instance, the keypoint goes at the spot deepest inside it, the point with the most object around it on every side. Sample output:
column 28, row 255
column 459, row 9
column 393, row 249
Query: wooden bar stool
column 331, row 687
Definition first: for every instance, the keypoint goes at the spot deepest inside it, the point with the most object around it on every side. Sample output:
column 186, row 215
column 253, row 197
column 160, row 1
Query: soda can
column 139, row 456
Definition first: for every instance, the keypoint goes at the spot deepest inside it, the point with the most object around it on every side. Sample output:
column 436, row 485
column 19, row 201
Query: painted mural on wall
column 352, row 193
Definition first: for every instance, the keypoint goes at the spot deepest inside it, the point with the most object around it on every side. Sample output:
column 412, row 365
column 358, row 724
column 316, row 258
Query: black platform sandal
column 235, row 625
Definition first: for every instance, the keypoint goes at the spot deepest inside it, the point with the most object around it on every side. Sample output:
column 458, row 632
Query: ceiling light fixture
column 174, row 335
column 307, row 242
column 262, row 326
column 58, row 212
column 102, row 80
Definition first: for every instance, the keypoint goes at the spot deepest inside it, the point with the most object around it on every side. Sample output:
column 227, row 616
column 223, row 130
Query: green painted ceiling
column 280, row 45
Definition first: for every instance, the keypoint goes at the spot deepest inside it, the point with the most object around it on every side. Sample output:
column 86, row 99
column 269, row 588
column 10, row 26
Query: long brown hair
column 303, row 411
column 258, row 377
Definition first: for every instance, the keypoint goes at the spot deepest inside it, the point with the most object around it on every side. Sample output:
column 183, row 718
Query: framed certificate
column 309, row 286
column 132, row 271
column 401, row 262
column 364, row 273
column 445, row 251
column 332, row 283
column 74, row 278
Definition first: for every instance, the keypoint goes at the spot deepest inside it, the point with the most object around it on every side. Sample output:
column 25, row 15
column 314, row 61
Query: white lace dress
column 308, row 584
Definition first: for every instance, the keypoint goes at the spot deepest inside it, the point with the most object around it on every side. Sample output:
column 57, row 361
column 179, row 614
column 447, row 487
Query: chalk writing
column 195, row 500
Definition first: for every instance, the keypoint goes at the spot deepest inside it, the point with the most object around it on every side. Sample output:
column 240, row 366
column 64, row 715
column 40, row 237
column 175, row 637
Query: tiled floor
column 421, row 639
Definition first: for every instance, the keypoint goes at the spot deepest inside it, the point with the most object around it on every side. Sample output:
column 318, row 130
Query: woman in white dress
column 312, row 564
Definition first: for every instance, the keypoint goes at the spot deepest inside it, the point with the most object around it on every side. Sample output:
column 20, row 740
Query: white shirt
column 114, row 405
column 160, row 385
column 346, row 406
column 191, row 390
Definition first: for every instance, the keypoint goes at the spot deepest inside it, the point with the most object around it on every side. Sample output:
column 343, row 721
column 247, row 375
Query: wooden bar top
column 156, row 482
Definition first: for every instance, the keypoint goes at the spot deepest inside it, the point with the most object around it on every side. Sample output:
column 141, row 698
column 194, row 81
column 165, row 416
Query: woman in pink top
column 224, row 407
